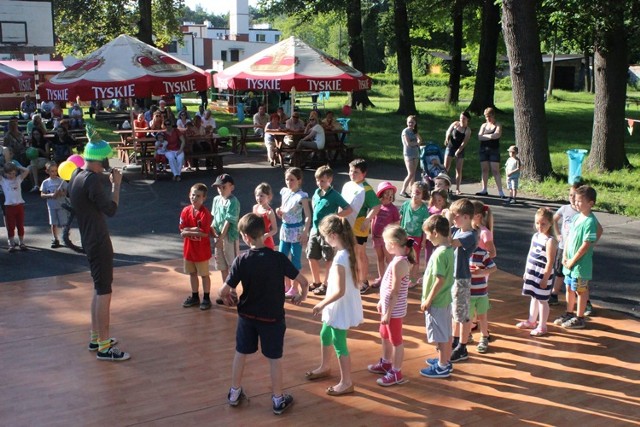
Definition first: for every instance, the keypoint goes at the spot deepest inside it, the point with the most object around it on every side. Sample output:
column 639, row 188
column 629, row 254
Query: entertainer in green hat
column 91, row 203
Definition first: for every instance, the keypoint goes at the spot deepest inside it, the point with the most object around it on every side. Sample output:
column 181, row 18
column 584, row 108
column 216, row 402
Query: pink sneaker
column 379, row 368
column 526, row 325
column 538, row 332
column 392, row 377
column 292, row 292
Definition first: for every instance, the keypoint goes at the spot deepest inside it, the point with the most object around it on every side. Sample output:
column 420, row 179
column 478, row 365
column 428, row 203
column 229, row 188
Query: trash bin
column 240, row 112
column 178, row 100
column 576, row 157
column 344, row 122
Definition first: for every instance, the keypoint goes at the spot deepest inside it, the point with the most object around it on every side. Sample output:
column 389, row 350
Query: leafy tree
column 82, row 26
column 523, row 48
column 453, row 96
column 199, row 15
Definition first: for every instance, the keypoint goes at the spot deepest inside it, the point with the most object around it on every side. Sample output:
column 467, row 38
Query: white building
column 217, row 48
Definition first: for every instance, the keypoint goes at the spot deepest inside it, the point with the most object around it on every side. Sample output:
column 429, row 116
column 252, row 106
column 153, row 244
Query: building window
column 235, row 55
column 223, row 55
column 172, row 47
column 260, row 38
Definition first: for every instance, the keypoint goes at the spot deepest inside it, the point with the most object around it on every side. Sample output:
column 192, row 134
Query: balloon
column 223, row 131
column 76, row 159
column 346, row 110
column 32, row 153
column 65, row 169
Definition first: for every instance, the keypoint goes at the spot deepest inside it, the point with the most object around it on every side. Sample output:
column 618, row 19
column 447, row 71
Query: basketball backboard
column 26, row 26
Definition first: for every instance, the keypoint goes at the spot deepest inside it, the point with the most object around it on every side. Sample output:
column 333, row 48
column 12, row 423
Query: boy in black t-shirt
column 260, row 307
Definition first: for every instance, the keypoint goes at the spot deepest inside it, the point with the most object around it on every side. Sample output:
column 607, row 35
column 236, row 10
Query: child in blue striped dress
column 538, row 274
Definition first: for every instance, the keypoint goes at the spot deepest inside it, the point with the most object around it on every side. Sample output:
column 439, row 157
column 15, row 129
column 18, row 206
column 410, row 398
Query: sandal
column 314, row 286
column 538, row 332
column 526, row 325
column 332, row 392
column 321, row 290
column 310, row 375
column 364, row 287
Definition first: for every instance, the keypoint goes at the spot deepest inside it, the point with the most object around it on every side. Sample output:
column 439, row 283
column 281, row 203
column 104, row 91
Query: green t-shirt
column 325, row 205
column 412, row 220
column 440, row 264
column 583, row 229
column 226, row 210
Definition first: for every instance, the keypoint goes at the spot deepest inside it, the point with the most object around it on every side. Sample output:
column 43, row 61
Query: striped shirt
column 534, row 271
column 400, row 309
column 480, row 284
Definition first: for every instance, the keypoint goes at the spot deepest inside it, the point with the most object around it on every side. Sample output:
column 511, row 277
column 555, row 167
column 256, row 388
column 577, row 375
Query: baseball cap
column 225, row 178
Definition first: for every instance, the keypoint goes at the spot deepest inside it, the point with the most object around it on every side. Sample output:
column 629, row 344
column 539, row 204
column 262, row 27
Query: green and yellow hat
column 96, row 149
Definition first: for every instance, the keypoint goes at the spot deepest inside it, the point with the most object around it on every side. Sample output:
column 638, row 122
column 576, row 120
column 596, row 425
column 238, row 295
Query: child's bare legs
column 571, row 299
column 238, row 369
column 465, row 328
column 483, row 322
column 54, row 232
column 325, row 364
column 381, row 261
column 583, row 297
column 276, row 376
column 557, row 285
column 314, row 266
column 363, row 263
column 444, row 353
column 206, row 284
column 414, row 274
column 398, row 356
column 345, row 374
column 195, row 283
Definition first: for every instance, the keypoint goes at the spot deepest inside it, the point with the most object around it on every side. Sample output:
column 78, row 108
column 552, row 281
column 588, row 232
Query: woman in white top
column 315, row 138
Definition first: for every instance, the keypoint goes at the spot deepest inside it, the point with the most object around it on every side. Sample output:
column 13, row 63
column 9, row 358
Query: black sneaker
column 589, row 311
column 459, row 354
column 364, row 287
column 191, row 301
column 113, row 355
column 96, row 346
column 553, row 299
column 205, row 304
column 55, row 244
column 287, row 401
column 235, row 396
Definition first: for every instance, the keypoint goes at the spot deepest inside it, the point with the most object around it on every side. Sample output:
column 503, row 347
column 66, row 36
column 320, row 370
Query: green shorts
column 479, row 305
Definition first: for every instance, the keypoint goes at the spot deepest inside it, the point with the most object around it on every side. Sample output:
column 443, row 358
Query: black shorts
column 270, row 334
column 557, row 264
column 318, row 249
column 101, row 266
column 450, row 151
column 488, row 154
column 361, row 240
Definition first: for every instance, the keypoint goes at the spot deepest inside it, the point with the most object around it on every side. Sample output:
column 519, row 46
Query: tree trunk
column 406, row 101
column 359, row 99
column 453, row 96
column 145, row 32
column 523, row 49
column 610, row 75
column 484, row 87
column 587, row 74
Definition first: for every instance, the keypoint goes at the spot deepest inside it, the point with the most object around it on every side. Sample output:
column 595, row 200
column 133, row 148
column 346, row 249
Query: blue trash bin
column 344, row 122
column 576, row 157
column 178, row 100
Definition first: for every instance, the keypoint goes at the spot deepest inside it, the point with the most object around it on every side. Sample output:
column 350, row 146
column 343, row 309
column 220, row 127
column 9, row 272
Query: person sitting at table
column 269, row 139
column 198, row 127
column 260, row 120
column 161, row 151
column 148, row 115
column 175, row 150
column 168, row 115
column 27, row 107
column 14, row 140
column 208, row 121
column 62, row 143
column 157, row 124
column 183, row 118
column 140, row 123
column 283, row 116
column 45, row 108
column 75, row 117
column 36, row 123
column 56, row 114
column 200, row 112
column 315, row 138
column 312, row 115
column 295, row 124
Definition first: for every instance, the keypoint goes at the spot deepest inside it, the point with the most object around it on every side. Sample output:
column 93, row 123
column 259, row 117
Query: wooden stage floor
column 181, row 359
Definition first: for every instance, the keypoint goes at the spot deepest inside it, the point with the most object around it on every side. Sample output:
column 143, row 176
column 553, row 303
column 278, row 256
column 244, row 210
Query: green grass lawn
column 570, row 120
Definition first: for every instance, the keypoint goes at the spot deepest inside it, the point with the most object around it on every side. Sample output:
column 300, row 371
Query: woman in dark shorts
column 489, row 136
column 455, row 140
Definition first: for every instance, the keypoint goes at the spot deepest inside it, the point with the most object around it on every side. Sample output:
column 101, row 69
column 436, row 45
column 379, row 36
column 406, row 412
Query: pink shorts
column 392, row 331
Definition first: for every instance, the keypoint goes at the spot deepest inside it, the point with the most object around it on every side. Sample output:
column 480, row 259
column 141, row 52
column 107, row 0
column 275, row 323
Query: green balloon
column 32, row 153
column 223, row 131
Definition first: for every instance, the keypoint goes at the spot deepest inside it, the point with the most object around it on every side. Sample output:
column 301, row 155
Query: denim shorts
column 488, row 154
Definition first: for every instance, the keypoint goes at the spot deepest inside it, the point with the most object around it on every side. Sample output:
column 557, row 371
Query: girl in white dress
column 341, row 307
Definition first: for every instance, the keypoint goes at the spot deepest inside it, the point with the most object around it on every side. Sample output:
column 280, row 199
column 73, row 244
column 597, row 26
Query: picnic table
column 244, row 137
column 333, row 149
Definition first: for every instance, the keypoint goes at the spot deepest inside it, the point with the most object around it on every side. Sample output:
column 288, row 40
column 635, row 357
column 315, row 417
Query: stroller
column 431, row 162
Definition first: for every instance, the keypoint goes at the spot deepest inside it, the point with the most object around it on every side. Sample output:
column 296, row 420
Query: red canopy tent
column 14, row 81
column 292, row 65
column 124, row 68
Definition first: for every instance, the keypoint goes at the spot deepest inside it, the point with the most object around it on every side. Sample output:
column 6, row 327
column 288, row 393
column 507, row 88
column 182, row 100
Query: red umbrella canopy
column 12, row 81
column 292, row 63
column 124, row 68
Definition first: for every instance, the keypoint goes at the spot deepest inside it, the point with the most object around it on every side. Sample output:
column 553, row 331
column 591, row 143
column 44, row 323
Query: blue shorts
column 576, row 284
column 512, row 182
column 270, row 334
column 450, row 151
column 488, row 154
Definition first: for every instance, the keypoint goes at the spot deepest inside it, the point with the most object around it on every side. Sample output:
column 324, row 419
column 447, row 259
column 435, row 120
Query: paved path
column 145, row 228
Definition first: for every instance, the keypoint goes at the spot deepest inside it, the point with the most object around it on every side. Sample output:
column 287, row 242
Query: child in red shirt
column 195, row 226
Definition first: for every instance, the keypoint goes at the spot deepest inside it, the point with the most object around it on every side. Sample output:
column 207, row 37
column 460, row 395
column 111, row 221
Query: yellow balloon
column 65, row 169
